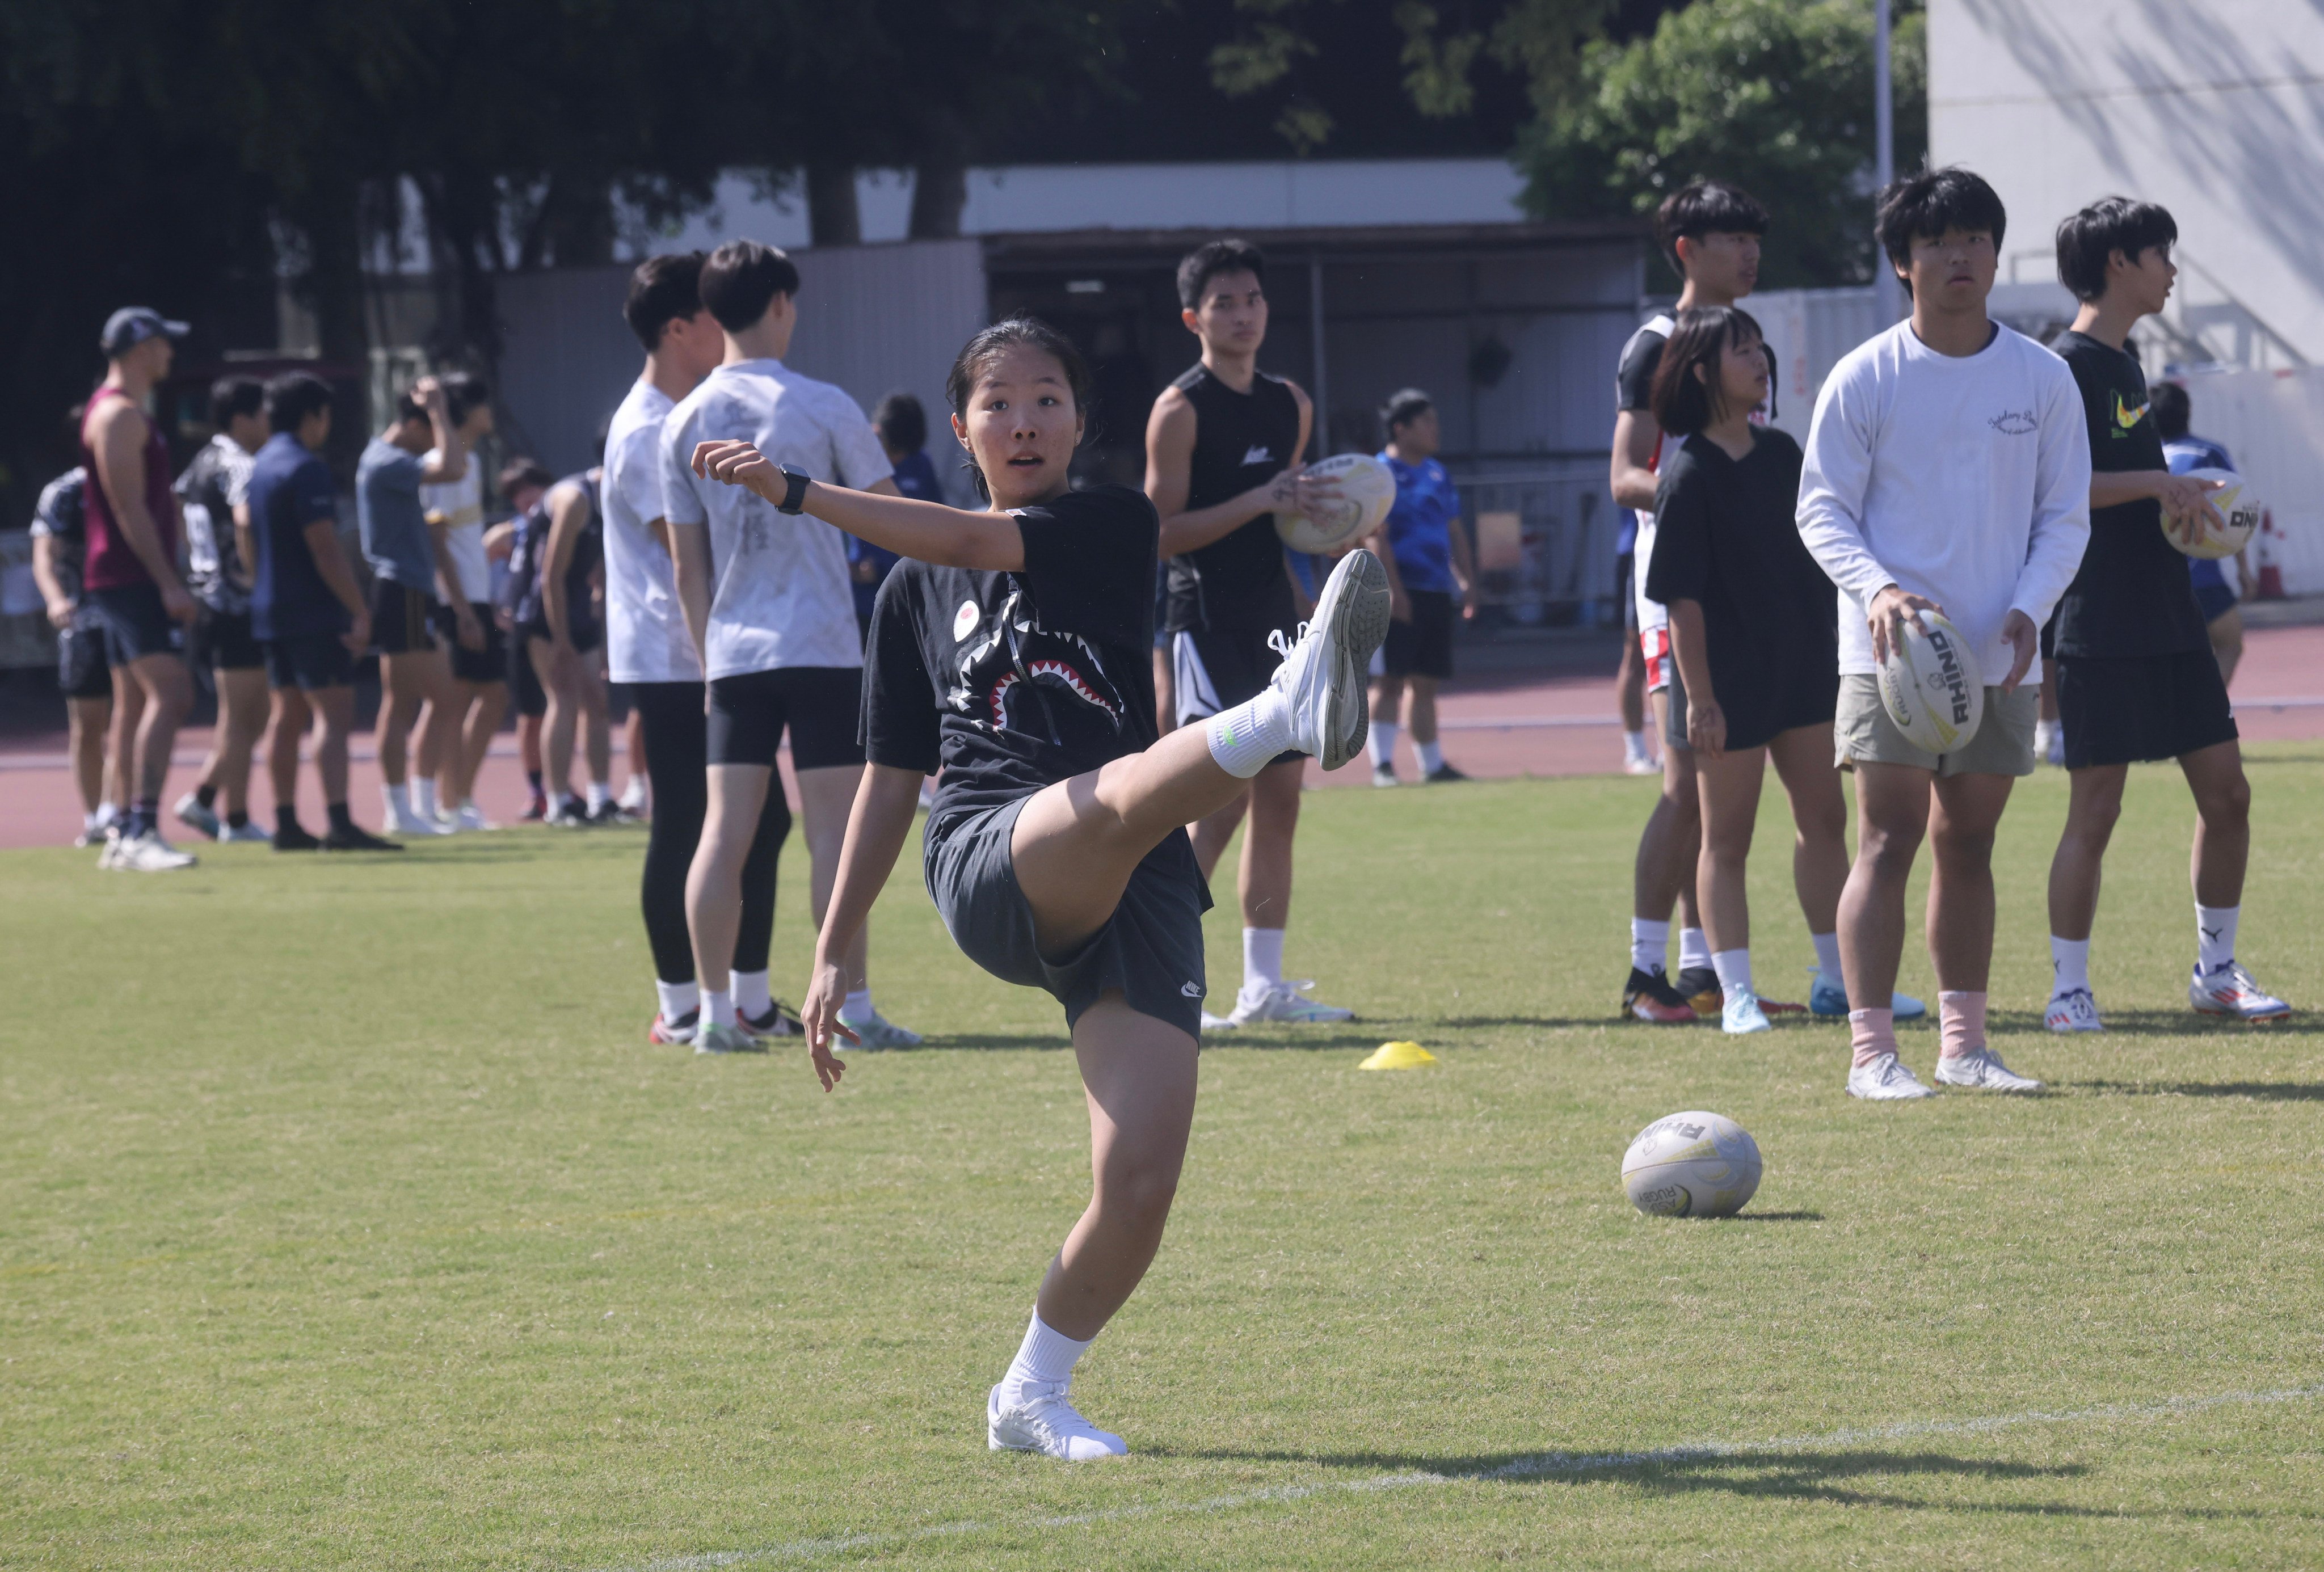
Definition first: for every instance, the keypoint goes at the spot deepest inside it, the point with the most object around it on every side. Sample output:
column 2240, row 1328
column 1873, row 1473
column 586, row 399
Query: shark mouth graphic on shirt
column 1058, row 672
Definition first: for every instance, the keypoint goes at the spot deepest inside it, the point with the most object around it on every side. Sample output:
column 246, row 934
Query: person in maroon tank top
column 132, row 579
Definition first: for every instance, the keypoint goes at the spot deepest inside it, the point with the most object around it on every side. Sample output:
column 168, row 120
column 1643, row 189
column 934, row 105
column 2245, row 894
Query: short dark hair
column 2171, row 408
column 462, row 392
column 1403, row 407
column 901, row 423
column 1207, row 262
column 231, row 396
column 294, row 396
column 2089, row 239
column 981, row 350
column 741, row 279
column 523, row 471
column 1923, row 207
column 1684, row 403
column 664, row 289
column 1705, row 207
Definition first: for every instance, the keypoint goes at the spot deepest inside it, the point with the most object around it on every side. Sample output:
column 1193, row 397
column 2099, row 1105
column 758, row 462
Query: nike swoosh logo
column 1193, row 990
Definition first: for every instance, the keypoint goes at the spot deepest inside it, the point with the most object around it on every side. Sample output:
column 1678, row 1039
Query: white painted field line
column 1540, row 1465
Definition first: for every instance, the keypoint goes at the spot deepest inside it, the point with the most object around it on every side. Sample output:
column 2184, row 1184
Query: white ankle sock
column 856, row 1005
column 2070, row 965
column 2215, row 936
column 1263, row 958
column 1693, row 949
column 679, row 1000
column 633, row 795
column 1649, row 944
column 717, row 1007
column 750, row 990
column 1827, row 948
column 600, row 794
column 1429, row 754
column 1045, row 1359
column 399, row 799
column 1734, row 970
column 1246, row 739
column 1382, row 743
column 1634, row 745
column 107, row 813
column 423, row 798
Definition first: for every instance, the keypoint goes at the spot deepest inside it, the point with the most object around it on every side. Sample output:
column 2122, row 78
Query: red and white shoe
column 779, row 1021
column 2228, row 990
column 680, row 1033
column 1648, row 995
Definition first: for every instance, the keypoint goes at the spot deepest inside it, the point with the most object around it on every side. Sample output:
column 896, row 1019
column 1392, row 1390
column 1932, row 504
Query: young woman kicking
column 1013, row 648
column 1753, row 628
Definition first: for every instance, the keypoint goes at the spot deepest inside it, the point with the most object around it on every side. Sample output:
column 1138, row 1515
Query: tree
column 1773, row 94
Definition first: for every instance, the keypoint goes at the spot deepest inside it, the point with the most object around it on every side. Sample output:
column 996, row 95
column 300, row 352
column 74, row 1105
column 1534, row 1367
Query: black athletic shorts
column 2216, row 600
column 1424, row 646
column 2048, row 642
column 1151, row 948
column 399, row 619
column 223, row 641
column 586, row 634
column 308, row 662
column 1626, row 565
column 524, row 683
column 488, row 665
column 820, row 705
column 2142, row 707
column 135, row 626
column 84, row 667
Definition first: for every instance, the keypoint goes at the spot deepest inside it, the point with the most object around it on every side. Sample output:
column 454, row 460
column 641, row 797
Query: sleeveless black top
column 1238, row 581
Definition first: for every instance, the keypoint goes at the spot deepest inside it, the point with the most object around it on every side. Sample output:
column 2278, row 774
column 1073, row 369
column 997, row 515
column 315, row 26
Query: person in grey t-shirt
column 412, row 569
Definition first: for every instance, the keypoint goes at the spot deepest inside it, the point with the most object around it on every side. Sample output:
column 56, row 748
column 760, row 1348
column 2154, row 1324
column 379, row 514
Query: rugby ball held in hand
column 1930, row 685
column 1691, row 1165
column 2236, row 504
column 1366, row 490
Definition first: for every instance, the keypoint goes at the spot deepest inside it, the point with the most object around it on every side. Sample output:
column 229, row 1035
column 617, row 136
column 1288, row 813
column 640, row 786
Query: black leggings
column 677, row 753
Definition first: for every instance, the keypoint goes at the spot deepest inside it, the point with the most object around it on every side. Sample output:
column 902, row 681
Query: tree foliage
column 1773, row 94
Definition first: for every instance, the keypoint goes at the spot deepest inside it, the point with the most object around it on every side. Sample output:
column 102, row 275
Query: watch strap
column 794, row 490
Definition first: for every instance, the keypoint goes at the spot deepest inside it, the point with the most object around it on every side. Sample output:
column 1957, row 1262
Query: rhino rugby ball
column 1930, row 685
column 1691, row 1165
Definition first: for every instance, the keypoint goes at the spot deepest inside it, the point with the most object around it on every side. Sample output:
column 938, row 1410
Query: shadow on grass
column 2167, row 1024
column 1769, row 1218
column 2271, row 1091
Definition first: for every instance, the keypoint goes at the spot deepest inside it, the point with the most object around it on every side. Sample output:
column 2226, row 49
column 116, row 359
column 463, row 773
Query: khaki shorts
column 2004, row 745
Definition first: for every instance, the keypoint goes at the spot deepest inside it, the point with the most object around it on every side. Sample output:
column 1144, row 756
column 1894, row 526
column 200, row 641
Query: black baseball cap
column 132, row 326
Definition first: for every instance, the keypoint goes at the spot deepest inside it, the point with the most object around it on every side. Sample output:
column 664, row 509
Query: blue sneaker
column 1832, row 1002
column 1741, row 1015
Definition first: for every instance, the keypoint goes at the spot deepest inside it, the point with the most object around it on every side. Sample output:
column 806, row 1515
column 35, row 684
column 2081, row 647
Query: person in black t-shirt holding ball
column 2137, row 678
column 1751, row 624
column 1013, row 648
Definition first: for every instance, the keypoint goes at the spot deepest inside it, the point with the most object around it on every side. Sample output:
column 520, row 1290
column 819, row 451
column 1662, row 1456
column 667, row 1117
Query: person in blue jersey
column 1430, row 568
column 903, row 428
column 2184, row 451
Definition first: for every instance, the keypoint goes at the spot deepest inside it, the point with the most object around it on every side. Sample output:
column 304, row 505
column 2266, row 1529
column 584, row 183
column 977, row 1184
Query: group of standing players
column 1952, row 466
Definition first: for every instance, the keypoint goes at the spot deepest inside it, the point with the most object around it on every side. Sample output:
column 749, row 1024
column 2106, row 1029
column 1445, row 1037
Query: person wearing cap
column 131, row 575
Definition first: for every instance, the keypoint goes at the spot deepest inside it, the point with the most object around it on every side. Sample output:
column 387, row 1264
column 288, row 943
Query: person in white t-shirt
column 479, row 688
column 1948, row 469
column 768, row 604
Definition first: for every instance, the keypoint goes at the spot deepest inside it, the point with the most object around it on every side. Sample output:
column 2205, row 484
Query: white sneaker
column 2074, row 1010
column 1045, row 1422
column 109, row 852
column 876, row 1032
column 1741, row 1015
column 712, row 1038
column 200, row 820
column 1639, row 764
column 1325, row 674
column 470, row 817
column 2228, row 990
column 632, row 799
column 1982, row 1068
column 1280, row 1001
column 405, row 821
column 1886, row 1079
column 148, row 853
column 1384, row 775
column 245, row 831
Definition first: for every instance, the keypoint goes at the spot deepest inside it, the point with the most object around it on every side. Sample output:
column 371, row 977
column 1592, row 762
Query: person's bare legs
column 633, row 749
column 1729, row 786
column 1387, row 700
column 825, row 798
column 557, row 723
column 242, row 717
column 1892, row 816
column 1214, row 830
column 2093, row 805
column 587, row 686
column 714, row 882
column 2227, row 633
column 121, row 737
column 287, row 721
column 2222, row 823
column 1962, row 824
column 406, row 684
column 1669, row 846
column 1265, row 875
column 480, row 707
column 87, row 722
column 1420, row 708
column 167, row 690
column 335, row 720
column 1166, row 693
column 1802, row 760
column 1631, row 683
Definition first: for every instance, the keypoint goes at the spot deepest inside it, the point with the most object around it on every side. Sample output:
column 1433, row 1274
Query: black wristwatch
column 794, row 492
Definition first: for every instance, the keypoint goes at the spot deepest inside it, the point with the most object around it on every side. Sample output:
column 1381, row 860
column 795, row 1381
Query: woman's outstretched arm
column 927, row 532
column 876, row 828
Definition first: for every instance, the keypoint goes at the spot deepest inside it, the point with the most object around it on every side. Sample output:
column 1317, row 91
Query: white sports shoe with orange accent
column 2228, row 990
column 2073, row 1010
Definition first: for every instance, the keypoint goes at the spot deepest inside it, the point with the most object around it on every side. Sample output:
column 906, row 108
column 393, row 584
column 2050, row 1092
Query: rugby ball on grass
column 1930, row 685
column 2236, row 504
column 1691, row 1165
column 1367, row 491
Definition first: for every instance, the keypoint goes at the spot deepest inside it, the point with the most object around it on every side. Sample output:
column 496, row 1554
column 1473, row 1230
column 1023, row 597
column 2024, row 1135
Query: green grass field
column 347, row 1220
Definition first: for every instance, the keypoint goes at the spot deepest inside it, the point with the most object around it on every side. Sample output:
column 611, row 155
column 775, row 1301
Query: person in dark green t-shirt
column 2137, row 679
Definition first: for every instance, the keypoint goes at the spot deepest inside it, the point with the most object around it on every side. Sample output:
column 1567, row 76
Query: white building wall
column 2214, row 108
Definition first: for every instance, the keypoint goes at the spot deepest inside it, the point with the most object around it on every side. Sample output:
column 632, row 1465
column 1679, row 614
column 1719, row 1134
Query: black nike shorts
column 223, row 641
column 1150, row 949
column 399, row 619
column 84, row 664
column 2142, row 707
column 1424, row 646
column 488, row 665
column 135, row 626
column 310, row 662
column 819, row 705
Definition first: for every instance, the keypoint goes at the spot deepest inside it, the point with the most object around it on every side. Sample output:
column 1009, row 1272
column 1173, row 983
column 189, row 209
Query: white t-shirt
column 780, row 591
column 645, row 627
column 1639, row 357
column 1966, row 479
column 461, row 503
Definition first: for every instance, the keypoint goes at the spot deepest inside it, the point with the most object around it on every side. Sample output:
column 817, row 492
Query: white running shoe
column 1280, row 1001
column 1741, row 1015
column 109, row 852
column 876, row 1032
column 1325, row 674
column 245, row 831
column 2228, row 990
column 406, row 820
column 1639, row 764
column 710, row 1037
column 470, row 817
column 200, row 820
column 148, row 853
column 2074, row 1010
column 1045, row 1422
column 1886, row 1079
column 1384, row 775
column 1982, row 1068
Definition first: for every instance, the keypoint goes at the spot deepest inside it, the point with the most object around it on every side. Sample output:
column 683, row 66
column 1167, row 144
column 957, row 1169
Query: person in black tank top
column 564, row 643
column 1223, row 452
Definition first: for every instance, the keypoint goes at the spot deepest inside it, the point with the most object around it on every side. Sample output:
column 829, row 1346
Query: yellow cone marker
column 1398, row 1056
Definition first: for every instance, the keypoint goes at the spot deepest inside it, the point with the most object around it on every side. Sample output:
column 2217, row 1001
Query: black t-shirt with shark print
column 2133, row 595
column 1013, row 681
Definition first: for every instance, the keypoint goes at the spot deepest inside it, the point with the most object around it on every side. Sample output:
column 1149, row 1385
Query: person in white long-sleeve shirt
column 1947, row 469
